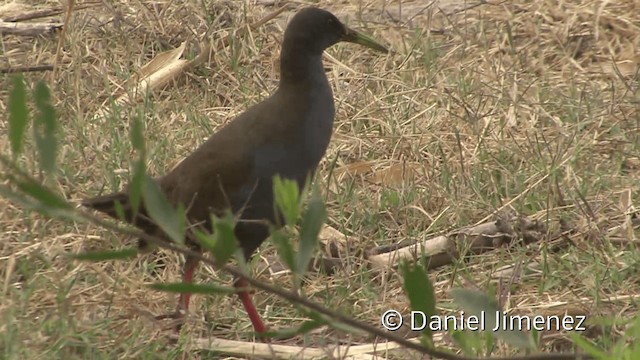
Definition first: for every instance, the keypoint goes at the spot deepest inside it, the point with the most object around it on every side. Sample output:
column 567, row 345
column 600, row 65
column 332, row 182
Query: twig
column 444, row 249
column 289, row 295
column 278, row 351
column 296, row 299
column 38, row 14
column 27, row 29
column 21, row 69
column 63, row 33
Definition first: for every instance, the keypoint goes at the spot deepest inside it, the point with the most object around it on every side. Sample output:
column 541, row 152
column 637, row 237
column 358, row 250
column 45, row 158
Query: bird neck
column 298, row 68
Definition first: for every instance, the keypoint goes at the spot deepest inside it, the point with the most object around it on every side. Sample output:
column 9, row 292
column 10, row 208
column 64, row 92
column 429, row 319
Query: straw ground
column 526, row 106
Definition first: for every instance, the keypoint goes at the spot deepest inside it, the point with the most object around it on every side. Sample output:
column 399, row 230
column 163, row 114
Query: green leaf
column 137, row 134
column 119, row 211
column 489, row 342
column 467, row 342
column 205, row 239
column 633, row 334
column 479, row 304
column 222, row 243
column 225, row 243
column 287, row 197
column 18, row 198
column 420, row 292
column 162, row 212
column 36, row 205
column 44, row 195
column 137, row 180
column 135, row 186
column 191, row 288
column 312, row 221
column 285, row 250
column 107, row 255
column 589, row 347
column 45, row 128
column 18, row 114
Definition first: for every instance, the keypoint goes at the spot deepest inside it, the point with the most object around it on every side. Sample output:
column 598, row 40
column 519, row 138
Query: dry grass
column 532, row 106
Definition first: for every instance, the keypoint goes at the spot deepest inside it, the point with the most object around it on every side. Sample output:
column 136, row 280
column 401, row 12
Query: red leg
column 189, row 267
column 245, row 297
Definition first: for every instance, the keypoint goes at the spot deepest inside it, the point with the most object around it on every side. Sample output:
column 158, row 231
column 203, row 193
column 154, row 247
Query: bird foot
column 177, row 317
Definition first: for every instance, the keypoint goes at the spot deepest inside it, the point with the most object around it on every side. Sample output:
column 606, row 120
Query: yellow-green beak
column 356, row 37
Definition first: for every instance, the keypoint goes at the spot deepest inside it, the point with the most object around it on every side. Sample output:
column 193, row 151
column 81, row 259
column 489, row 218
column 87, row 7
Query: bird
column 285, row 135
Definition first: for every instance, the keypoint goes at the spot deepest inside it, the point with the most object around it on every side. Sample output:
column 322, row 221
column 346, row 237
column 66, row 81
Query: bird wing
column 205, row 179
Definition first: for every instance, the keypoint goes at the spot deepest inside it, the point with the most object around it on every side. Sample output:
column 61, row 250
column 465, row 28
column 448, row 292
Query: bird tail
column 108, row 204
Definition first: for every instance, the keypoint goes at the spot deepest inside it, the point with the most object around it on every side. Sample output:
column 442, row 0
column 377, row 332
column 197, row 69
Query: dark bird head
column 312, row 30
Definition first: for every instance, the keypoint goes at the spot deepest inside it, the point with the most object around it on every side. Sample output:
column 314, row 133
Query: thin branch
column 42, row 13
column 63, row 33
column 23, row 69
column 28, row 29
column 289, row 295
column 296, row 299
